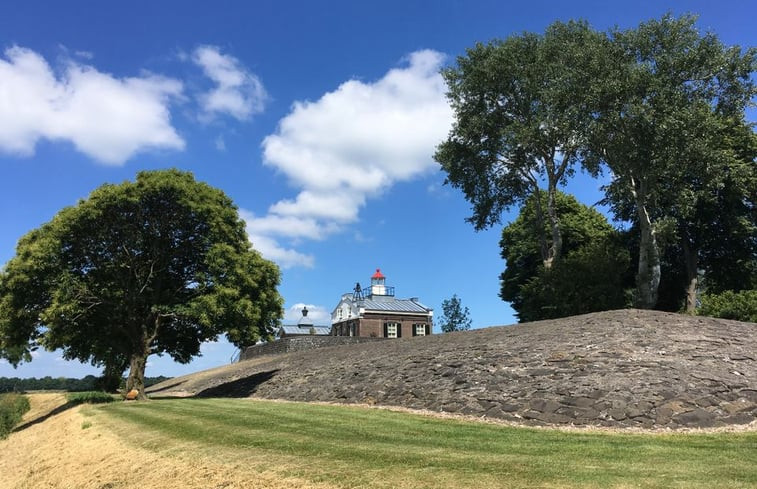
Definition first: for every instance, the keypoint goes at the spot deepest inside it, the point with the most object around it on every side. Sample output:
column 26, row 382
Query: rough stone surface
column 627, row 368
column 301, row 343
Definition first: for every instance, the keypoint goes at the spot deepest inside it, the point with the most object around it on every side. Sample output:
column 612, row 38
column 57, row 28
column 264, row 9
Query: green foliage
column 589, row 279
column 591, row 276
column 12, row 409
column 726, row 219
column 91, row 397
column 88, row 383
column 111, row 379
column 455, row 317
column 668, row 111
column 154, row 266
column 741, row 306
column 518, row 121
column 660, row 107
column 358, row 447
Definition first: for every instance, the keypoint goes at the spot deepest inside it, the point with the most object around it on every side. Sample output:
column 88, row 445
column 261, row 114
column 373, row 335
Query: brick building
column 375, row 312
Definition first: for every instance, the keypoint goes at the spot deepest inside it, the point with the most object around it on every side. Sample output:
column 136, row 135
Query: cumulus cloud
column 270, row 248
column 238, row 92
column 107, row 118
column 291, row 226
column 319, row 314
column 285, row 257
column 352, row 144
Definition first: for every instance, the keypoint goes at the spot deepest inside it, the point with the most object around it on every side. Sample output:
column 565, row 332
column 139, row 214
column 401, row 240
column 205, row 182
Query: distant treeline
column 88, row 383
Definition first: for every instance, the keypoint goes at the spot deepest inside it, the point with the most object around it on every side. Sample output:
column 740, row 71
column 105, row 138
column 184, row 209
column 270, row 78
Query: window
column 419, row 329
column 392, row 330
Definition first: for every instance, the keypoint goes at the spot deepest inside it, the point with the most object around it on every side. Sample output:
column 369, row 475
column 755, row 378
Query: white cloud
column 365, row 136
column 285, row 257
column 107, row 118
column 354, row 143
column 319, row 314
column 269, row 248
column 238, row 92
column 290, row 226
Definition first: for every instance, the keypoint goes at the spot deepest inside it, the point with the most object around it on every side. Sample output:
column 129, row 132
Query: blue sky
column 319, row 119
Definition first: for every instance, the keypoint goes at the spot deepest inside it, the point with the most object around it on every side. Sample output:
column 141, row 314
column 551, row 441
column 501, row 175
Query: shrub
column 91, row 397
column 12, row 409
column 588, row 279
column 741, row 306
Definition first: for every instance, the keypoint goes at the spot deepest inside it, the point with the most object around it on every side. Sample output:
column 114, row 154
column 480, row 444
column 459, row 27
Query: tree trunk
column 136, row 379
column 692, row 276
column 648, row 275
column 554, row 223
column 545, row 249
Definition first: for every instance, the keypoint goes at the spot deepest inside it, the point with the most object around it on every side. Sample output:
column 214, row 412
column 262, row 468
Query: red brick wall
column 372, row 325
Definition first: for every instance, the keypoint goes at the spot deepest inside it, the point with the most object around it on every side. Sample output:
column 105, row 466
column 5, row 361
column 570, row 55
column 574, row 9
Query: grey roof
column 395, row 305
column 305, row 321
column 319, row 330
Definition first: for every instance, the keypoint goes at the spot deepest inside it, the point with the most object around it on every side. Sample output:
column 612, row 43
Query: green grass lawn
column 358, row 447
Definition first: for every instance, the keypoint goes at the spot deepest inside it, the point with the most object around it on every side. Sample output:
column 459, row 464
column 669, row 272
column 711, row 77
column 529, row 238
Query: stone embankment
column 301, row 343
column 620, row 369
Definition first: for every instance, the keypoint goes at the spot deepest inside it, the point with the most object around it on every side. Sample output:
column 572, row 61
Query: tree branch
column 149, row 276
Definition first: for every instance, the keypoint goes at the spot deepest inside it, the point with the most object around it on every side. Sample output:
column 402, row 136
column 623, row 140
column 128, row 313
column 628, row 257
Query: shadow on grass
column 244, row 387
column 44, row 417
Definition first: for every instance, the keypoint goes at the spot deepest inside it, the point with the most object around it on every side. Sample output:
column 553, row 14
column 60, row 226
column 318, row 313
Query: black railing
column 388, row 291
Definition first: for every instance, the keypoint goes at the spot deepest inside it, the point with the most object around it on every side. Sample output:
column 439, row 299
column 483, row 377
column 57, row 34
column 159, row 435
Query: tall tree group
column 659, row 108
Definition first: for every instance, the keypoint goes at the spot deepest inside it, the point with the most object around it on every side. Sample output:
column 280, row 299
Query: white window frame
column 391, row 330
column 420, row 329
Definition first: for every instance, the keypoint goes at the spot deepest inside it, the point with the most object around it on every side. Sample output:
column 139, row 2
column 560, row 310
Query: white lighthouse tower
column 379, row 289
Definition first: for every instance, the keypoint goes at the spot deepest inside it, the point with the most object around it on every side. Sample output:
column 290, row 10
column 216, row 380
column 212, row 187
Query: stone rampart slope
column 627, row 368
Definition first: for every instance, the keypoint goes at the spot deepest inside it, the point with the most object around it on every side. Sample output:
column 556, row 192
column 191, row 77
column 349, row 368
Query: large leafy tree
column 713, row 212
column 153, row 266
column 591, row 276
column 519, row 123
column 663, row 111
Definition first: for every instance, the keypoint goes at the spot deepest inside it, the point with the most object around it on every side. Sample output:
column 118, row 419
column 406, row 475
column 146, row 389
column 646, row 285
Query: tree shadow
column 151, row 390
column 244, row 387
column 44, row 417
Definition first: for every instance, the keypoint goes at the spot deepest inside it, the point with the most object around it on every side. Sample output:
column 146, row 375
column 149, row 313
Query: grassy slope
column 60, row 446
column 358, row 447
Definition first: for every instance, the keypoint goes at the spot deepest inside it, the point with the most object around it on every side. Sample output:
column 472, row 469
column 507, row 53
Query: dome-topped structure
column 304, row 327
column 305, row 320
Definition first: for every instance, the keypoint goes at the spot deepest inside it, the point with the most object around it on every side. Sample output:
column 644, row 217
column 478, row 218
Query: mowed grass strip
column 360, row 447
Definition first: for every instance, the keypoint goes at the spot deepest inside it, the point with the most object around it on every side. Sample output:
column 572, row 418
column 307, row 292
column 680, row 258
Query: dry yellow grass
column 72, row 449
